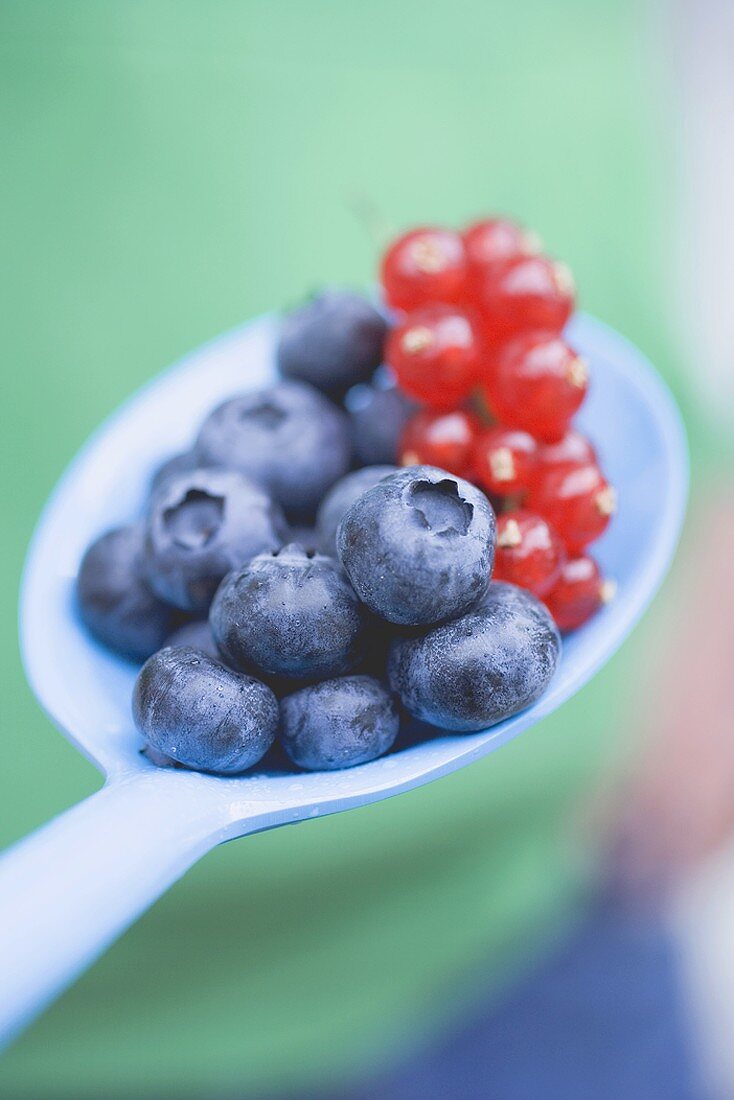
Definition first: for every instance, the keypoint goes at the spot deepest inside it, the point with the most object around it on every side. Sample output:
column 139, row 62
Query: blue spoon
column 76, row 884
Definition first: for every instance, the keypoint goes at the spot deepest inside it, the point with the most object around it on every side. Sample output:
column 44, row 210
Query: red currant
column 527, row 292
column 425, row 265
column 537, row 384
column 528, row 553
column 573, row 449
column 495, row 240
column 435, row 353
column 577, row 501
column 439, row 439
column 505, row 460
column 578, row 593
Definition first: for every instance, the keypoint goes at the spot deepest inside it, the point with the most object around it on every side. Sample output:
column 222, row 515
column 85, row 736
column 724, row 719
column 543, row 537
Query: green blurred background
column 169, row 169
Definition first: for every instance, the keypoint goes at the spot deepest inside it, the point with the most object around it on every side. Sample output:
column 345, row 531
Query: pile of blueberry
column 291, row 582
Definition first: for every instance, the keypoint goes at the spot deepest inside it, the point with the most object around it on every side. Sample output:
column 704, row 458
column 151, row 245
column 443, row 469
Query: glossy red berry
column 425, row 265
column 504, row 460
column 443, row 439
column 522, row 294
column 537, row 384
column 577, row 501
column 528, row 552
column 572, row 449
column 578, row 593
column 495, row 240
column 435, row 353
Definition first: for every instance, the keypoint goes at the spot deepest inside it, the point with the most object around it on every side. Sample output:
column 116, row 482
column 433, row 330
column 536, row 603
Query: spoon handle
column 73, row 886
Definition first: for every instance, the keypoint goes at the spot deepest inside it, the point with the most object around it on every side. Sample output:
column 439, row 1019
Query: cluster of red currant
column 478, row 343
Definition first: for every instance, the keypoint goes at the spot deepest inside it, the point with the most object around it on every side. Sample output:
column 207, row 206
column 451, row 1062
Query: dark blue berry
column 477, row 670
column 196, row 635
column 200, row 714
column 340, row 498
column 200, row 526
column 292, row 613
column 332, row 342
column 378, row 413
column 289, row 438
column 338, row 723
column 115, row 601
column 419, row 546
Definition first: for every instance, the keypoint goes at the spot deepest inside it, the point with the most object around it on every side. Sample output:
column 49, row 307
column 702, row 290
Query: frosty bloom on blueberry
column 481, row 668
column 339, row 500
column 378, row 413
column 289, row 438
column 203, row 715
column 333, row 342
column 200, row 526
column 114, row 599
column 289, row 613
column 419, row 546
column 339, row 723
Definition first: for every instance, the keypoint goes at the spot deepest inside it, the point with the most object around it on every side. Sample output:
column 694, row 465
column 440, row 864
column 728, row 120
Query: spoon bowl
column 81, row 880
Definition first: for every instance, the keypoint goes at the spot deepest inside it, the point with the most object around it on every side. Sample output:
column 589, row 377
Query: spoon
column 76, row 884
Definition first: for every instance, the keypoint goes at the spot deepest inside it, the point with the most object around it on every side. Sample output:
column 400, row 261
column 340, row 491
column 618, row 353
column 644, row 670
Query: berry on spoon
column 288, row 437
column 478, row 669
column 114, row 599
column 529, row 552
column 201, row 525
column 577, row 501
column 202, row 715
column 443, row 439
column 333, row 342
column 419, row 546
column 524, row 294
column 436, row 355
column 424, row 265
column 538, row 384
column 339, row 723
column 578, row 593
column 504, row 461
column 493, row 241
column 378, row 413
column 291, row 613
column 339, row 500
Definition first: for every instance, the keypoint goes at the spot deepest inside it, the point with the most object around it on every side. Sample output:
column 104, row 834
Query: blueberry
column 338, row 723
column 201, row 714
column 114, row 600
column 419, row 546
column 340, row 498
column 378, row 415
column 474, row 671
column 291, row 613
column 332, row 342
column 289, row 438
column 200, row 526
column 196, row 635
